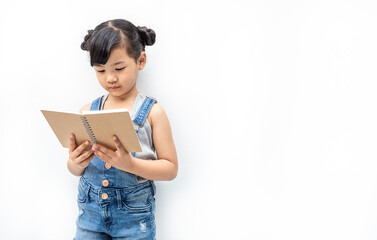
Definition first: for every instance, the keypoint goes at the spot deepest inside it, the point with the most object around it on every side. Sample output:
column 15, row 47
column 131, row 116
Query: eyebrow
column 101, row 65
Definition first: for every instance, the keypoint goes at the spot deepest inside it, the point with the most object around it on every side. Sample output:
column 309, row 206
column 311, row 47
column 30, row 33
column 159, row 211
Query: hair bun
column 148, row 36
column 84, row 44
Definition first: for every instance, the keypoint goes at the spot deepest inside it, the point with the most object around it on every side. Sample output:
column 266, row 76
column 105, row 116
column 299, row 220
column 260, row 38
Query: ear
column 142, row 60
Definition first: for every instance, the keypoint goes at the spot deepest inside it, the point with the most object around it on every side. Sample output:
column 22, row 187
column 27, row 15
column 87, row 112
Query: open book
column 98, row 126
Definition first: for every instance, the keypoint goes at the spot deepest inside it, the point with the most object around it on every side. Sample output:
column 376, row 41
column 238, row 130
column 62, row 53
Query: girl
column 116, row 189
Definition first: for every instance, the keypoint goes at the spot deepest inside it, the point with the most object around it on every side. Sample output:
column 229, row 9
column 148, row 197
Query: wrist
column 74, row 168
column 131, row 165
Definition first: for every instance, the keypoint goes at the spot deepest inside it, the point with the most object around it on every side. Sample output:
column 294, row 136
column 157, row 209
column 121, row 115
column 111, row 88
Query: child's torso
column 98, row 171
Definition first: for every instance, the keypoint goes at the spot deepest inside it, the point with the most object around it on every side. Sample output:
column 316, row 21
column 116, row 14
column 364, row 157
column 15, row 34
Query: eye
column 120, row 69
column 101, row 71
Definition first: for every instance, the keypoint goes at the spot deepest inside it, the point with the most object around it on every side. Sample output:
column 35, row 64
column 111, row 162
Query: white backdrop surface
column 271, row 104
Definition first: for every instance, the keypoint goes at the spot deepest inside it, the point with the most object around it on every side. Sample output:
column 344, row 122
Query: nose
column 110, row 78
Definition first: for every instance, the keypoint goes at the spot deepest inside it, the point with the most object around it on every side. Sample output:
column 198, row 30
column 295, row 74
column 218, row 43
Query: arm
column 165, row 168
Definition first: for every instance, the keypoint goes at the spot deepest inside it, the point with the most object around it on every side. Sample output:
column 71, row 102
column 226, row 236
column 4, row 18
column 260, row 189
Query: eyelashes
column 118, row 69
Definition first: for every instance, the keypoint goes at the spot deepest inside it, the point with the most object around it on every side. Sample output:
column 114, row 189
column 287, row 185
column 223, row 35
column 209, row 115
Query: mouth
column 114, row 87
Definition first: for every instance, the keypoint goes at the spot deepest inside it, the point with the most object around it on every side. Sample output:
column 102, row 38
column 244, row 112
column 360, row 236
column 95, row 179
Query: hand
column 78, row 157
column 120, row 159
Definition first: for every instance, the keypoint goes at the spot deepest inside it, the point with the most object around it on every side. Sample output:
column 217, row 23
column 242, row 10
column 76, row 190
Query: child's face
column 119, row 71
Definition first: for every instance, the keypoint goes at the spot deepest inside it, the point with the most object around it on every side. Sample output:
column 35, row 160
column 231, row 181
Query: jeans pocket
column 82, row 194
column 138, row 201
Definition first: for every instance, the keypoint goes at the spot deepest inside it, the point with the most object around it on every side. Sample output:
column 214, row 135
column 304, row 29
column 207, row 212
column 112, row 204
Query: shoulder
column 157, row 115
column 86, row 107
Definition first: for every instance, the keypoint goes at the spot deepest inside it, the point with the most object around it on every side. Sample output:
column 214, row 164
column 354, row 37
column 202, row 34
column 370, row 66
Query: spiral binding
column 88, row 129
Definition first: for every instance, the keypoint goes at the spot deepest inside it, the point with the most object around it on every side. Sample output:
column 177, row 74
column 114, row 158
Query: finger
column 84, row 156
column 80, row 148
column 72, row 143
column 87, row 160
column 105, row 150
column 103, row 156
column 118, row 144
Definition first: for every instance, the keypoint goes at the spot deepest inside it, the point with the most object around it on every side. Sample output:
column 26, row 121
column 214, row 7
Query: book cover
column 97, row 126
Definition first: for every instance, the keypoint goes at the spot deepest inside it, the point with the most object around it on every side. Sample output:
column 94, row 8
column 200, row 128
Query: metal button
column 104, row 196
column 107, row 165
column 105, row 183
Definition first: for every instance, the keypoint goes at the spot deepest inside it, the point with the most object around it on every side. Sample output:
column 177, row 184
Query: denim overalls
column 115, row 203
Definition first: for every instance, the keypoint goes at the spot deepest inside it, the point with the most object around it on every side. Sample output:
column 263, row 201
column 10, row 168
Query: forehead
column 116, row 55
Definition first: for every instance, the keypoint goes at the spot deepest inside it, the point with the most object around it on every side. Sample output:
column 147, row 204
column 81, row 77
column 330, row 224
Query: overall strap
column 142, row 114
column 143, row 111
column 96, row 104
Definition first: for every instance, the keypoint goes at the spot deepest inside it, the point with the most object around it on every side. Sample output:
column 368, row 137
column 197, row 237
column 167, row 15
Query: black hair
column 113, row 34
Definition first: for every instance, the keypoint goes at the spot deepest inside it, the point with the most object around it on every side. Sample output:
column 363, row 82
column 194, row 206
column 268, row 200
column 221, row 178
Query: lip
column 116, row 87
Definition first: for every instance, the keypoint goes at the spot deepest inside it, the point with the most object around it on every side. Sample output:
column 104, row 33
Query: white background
column 272, row 106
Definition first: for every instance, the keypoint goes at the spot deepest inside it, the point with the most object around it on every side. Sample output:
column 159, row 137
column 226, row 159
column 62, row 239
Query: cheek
column 135, row 75
column 99, row 76
column 128, row 76
column 102, row 81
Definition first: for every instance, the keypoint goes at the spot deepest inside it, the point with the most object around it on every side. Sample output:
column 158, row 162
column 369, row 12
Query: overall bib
column 113, row 202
